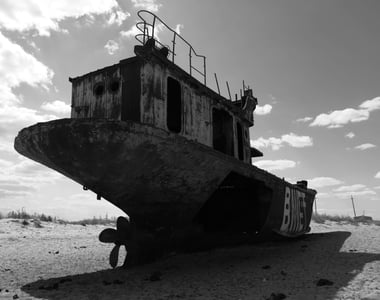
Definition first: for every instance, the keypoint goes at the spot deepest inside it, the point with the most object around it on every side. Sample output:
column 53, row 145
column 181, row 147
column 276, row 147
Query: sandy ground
column 68, row 262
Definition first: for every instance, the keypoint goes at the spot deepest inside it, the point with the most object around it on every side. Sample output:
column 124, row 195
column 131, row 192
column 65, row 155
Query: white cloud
column 319, row 182
column 365, row 146
column 304, row 120
column 339, row 118
column 44, row 16
column 263, row 110
column 371, row 105
column 150, row 5
column 13, row 118
column 274, row 143
column 291, row 139
column 132, row 32
column 111, row 46
column 350, row 135
column 297, row 141
column 350, row 188
column 118, row 17
column 6, row 143
column 178, row 28
column 5, row 163
column 57, row 106
column 365, row 192
column 24, row 176
column 377, row 175
column 12, row 194
column 271, row 165
column 13, row 71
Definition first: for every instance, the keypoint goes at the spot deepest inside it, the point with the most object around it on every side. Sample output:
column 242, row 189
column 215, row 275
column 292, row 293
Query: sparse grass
column 322, row 218
column 22, row 214
column 37, row 218
column 95, row 221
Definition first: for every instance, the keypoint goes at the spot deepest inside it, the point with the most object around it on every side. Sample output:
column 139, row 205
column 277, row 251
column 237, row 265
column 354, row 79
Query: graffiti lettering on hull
column 294, row 219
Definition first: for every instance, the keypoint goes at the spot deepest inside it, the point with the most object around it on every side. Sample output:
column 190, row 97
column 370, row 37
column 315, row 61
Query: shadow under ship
column 170, row 152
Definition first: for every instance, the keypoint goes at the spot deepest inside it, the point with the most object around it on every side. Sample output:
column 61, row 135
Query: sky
column 313, row 65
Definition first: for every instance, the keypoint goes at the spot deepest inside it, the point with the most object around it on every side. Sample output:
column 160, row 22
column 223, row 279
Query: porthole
column 99, row 89
column 114, row 85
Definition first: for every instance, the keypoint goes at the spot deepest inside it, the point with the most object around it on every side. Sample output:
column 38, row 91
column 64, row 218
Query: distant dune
column 58, row 261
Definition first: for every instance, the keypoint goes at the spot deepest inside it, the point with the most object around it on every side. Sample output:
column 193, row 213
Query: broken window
column 99, row 89
column 114, row 85
column 223, row 135
column 174, row 105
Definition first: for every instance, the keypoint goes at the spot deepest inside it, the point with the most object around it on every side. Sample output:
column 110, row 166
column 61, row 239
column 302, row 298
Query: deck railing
column 148, row 31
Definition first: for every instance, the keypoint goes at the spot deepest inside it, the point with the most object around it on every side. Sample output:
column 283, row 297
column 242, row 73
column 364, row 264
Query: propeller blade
column 108, row 235
column 114, row 256
column 122, row 224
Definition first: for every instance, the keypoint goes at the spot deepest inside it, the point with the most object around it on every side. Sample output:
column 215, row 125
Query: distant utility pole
column 353, row 205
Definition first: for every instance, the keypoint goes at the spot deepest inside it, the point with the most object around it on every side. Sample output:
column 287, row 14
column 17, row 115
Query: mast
column 353, row 205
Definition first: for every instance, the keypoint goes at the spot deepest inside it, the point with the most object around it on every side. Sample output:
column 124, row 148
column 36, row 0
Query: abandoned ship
column 173, row 154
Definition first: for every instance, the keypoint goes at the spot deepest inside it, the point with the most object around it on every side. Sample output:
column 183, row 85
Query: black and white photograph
column 172, row 149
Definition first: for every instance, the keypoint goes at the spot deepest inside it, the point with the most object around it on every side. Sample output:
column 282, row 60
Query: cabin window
column 114, row 85
column 223, row 134
column 174, row 105
column 99, row 89
column 240, row 141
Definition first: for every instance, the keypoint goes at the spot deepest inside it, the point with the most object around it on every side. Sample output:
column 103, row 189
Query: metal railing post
column 144, row 32
column 204, row 69
column 146, row 35
column 153, row 26
column 173, row 42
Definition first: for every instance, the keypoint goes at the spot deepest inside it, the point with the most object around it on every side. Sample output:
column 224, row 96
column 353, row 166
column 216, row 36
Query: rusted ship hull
column 163, row 180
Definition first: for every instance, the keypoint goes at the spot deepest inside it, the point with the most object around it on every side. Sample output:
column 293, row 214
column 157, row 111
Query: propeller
column 120, row 237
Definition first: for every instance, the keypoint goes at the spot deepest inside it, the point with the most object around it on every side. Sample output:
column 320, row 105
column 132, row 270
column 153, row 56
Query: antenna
column 353, row 205
column 229, row 92
column 243, row 86
column 217, row 83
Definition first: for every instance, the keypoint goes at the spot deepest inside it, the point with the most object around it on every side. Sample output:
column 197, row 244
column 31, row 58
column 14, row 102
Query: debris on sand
column 323, row 282
column 37, row 223
column 276, row 296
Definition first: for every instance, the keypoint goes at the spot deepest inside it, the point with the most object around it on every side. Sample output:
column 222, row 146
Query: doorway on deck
column 174, row 105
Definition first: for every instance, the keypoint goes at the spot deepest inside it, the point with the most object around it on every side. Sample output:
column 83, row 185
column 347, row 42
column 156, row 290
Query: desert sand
column 61, row 261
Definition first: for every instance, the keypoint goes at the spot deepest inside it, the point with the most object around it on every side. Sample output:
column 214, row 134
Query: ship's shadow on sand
column 246, row 272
